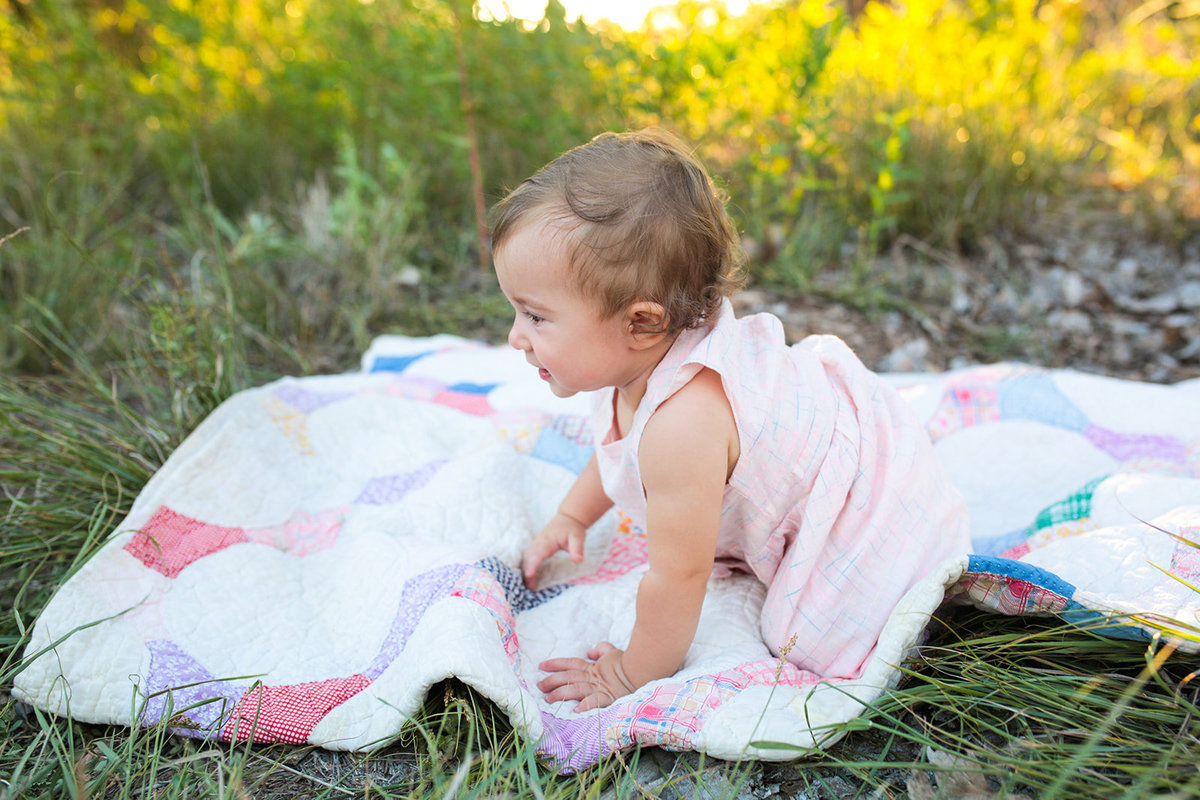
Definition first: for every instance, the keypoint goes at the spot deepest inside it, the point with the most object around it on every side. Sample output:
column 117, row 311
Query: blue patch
column 1037, row 398
column 555, row 448
column 473, row 388
column 1098, row 622
column 998, row 544
column 519, row 597
column 1007, row 567
column 397, row 363
column 1113, row 626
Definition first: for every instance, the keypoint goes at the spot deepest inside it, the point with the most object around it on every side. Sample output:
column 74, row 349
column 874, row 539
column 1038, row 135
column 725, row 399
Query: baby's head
column 642, row 221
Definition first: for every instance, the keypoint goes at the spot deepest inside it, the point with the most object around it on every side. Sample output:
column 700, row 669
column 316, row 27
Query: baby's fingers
column 570, row 685
column 558, row 665
column 600, row 649
column 575, row 543
column 531, row 559
column 594, row 700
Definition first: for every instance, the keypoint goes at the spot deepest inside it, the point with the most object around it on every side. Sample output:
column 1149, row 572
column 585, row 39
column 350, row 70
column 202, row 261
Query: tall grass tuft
column 1007, row 707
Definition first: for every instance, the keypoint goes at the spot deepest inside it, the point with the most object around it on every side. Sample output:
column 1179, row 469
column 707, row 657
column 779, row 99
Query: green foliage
column 137, row 132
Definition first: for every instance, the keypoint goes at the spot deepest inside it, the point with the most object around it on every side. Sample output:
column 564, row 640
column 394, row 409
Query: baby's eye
column 534, row 318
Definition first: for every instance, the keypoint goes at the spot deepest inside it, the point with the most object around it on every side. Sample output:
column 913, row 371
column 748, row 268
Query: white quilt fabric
column 322, row 550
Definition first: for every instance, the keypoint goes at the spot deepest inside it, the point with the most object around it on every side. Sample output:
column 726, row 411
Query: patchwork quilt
column 322, row 550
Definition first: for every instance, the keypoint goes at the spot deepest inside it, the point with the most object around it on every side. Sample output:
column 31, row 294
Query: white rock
column 908, row 357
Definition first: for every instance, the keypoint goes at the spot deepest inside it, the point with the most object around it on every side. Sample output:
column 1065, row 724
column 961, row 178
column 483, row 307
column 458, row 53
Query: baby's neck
column 629, row 395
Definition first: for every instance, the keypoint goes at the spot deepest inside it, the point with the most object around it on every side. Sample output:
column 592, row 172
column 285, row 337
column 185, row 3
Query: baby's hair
column 642, row 220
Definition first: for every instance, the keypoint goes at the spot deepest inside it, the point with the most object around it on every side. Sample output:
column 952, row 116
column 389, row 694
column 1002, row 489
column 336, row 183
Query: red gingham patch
column 289, row 713
column 170, row 541
column 1006, row 594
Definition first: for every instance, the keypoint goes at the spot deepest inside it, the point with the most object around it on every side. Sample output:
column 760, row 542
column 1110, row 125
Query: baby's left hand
column 596, row 683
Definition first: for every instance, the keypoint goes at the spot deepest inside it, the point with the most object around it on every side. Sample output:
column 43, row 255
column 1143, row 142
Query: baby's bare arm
column 584, row 504
column 688, row 449
column 685, row 457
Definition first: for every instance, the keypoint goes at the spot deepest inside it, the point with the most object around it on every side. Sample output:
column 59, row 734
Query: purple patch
column 574, row 744
column 392, row 488
column 1127, row 446
column 416, row 597
column 198, row 700
column 306, row 401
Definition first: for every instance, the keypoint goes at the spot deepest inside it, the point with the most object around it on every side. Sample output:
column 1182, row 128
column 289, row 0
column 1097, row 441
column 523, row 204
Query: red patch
column 170, row 541
column 288, row 713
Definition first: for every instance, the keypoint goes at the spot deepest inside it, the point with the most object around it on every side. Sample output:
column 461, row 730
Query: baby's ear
column 647, row 323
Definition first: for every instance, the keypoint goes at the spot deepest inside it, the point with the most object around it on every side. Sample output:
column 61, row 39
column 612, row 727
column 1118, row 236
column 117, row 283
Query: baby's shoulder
column 700, row 405
column 691, row 433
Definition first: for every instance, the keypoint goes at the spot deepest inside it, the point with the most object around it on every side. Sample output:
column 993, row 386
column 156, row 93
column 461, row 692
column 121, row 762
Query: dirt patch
column 1088, row 293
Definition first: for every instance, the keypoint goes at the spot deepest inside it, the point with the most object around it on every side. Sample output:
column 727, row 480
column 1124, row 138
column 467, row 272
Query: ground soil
column 1098, row 294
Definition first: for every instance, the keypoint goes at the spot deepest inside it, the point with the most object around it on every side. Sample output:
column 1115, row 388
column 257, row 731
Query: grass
column 147, row 273
column 1006, row 707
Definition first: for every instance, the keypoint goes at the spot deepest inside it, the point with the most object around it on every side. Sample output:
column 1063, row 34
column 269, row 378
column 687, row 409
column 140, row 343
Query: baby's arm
column 684, row 473
column 584, row 504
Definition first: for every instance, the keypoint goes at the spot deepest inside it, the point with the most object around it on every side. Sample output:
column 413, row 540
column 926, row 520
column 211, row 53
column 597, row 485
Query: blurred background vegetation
column 265, row 184
column 198, row 195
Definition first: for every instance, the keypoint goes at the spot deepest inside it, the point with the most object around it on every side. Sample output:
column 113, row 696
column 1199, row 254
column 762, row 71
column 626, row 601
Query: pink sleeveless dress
column 837, row 502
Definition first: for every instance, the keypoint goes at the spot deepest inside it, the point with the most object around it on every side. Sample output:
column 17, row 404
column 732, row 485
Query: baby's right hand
column 563, row 532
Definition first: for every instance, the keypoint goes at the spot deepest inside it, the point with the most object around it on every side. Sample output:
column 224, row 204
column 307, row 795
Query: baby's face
column 560, row 331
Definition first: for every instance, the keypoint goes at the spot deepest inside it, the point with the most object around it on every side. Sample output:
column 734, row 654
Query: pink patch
column 627, row 552
column 1185, row 561
column 966, row 403
column 303, row 533
column 673, row 712
column 480, row 586
column 467, row 402
column 288, row 713
column 1016, row 551
column 170, row 541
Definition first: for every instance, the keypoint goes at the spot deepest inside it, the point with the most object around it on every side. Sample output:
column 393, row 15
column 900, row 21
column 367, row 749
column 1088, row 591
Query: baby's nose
column 515, row 339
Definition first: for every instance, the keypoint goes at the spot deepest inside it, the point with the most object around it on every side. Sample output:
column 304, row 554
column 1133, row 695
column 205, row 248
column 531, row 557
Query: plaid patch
column 577, row 429
column 627, row 552
column 1006, row 594
column 480, row 586
column 965, row 403
column 673, row 713
column 1077, row 506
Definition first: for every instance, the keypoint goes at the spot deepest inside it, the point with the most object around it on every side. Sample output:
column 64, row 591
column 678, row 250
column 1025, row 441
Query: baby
column 729, row 448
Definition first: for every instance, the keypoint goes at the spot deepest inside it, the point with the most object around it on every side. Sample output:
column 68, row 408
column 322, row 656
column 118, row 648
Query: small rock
column 1188, row 295
column 909, row 357
column 1179, row 321
column 1130, row 328
column 1127, row 270
column 748, row 301
column 1163, row 303
column 1073, row 290
column 1070, row 322
column 960, row 362
column 408, row 275
column 1004, row 306
column 960, row 301
column 1191, row 351
column 1096, row 255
